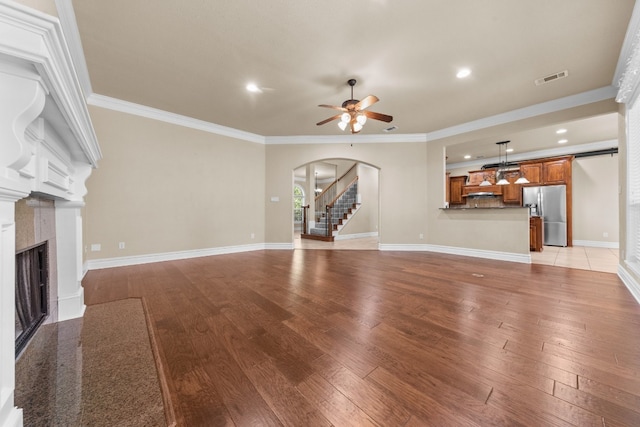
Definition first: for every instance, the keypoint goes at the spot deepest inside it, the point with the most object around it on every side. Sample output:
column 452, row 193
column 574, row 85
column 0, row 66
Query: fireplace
column 32, row 292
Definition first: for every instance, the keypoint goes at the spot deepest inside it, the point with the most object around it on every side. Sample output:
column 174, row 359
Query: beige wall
column 595, row 198
column 165, row 188
column 46, row 6
column 499, row 230
column 366, row 219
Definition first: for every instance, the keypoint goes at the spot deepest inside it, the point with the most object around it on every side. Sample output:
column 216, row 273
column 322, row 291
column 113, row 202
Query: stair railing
column 305, row 226
column 329, row 207
column 328, row 195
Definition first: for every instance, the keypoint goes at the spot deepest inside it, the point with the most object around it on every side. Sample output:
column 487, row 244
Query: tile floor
column 580, row 257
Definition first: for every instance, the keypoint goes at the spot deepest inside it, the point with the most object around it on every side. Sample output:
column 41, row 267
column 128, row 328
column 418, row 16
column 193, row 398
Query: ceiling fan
column 354, row 113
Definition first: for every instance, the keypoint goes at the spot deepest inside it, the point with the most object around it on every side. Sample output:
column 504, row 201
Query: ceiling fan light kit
column 354, row 113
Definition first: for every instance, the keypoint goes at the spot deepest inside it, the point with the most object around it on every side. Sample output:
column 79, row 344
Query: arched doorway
column 358, row 230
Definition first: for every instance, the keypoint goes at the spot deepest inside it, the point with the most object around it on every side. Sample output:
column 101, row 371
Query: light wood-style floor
column 581, row 257
column 353, row 338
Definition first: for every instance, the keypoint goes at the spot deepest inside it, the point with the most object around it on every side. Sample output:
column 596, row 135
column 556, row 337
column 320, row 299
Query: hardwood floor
column 318, row 338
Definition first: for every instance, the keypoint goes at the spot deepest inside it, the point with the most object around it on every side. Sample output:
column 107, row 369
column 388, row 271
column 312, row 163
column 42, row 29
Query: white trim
column 356, row 236
column 71, row 306
column 584, row 98
column 14, row 418
column 176, row 119
column 540, row 154
column 67, row 18
column 596, row 244
column 607, row 92
column 477, row 253
column 72, row 35
column 629, row 282
column 98, row 264
column 51, row 59
column 627, row 46
column 336, row 139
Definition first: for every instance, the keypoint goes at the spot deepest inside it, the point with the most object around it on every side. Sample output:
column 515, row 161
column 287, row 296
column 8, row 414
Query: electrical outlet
column 421, row 236
column 96, row 247
column 253, row 235
column 121, row 245
column 605, row 234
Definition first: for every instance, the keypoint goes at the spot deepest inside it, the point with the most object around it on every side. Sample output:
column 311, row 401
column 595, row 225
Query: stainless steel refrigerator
column 549, row 202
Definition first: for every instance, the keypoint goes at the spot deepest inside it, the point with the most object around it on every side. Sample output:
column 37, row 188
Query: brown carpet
column 95, row 371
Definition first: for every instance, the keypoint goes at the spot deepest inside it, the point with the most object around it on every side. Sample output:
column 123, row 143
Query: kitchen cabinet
column 535, row 233
column 512, row 193
column 556, row 171
column 476, row 177
column 456, row 185
column 495, row 189
column 532, row 171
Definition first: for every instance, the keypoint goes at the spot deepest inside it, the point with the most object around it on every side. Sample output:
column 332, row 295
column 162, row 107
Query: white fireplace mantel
column 47, row 147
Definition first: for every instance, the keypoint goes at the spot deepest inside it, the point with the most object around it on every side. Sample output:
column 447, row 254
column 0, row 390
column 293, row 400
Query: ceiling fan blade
column 378, row 116
column 367, row 102
column 332, row 106
column 337, row 116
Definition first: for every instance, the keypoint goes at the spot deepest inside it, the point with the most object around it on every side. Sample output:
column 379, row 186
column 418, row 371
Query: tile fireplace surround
column 47, row 148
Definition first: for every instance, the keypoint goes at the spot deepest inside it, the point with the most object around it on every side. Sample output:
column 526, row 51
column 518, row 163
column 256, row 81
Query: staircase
column 343, row 209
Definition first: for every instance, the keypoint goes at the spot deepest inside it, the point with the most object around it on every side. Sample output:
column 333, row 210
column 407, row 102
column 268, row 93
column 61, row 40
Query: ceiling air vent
column 390, row 128
column 552, row 77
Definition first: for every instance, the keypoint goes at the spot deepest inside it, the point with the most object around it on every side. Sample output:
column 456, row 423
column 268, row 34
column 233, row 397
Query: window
column 298, row 203
column 633, row 187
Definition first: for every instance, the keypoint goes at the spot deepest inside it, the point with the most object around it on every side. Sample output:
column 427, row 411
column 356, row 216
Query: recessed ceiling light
column 252, row 87
column 563, row 141
column 509, row 150
column 561, row 131
column 463, row 72
column 467, row 156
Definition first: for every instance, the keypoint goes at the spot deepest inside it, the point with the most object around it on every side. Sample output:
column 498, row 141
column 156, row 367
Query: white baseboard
column 356, row 236
column 477, row 253
column 98, row 264
column 12, row 416
column 596, row 244
column 630, row 282
column 71, row 306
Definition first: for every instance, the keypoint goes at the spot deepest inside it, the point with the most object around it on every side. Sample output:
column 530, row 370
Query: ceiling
column 195, row 59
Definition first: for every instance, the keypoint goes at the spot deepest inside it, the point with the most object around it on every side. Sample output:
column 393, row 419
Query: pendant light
column 522, row 179
column 502, row 166
column 318, row 189
column 485, row 182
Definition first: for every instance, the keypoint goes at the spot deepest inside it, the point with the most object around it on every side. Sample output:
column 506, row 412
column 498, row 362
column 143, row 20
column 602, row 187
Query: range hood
column 480, row 194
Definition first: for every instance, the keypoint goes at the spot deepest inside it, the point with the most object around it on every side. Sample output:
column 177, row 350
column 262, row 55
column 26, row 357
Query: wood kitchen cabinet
column 556, row 171
column 535, row 234
column 476, row 177
column 532, row 171
column 512, row 193
column 456, row 184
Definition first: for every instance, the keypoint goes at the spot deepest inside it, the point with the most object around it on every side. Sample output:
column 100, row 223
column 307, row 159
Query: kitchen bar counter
column 473, row 208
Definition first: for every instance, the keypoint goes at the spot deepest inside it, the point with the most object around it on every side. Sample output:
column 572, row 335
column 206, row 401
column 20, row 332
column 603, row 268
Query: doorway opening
column 340, row 199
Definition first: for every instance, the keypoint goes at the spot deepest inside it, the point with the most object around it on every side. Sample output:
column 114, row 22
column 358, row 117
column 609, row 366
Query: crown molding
column 584, row 98
column 176, row 119
column 540, row 154
column 627, row 46
column 337, row 139
column 70, row 29
column 71, row 33
column 32, row 37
